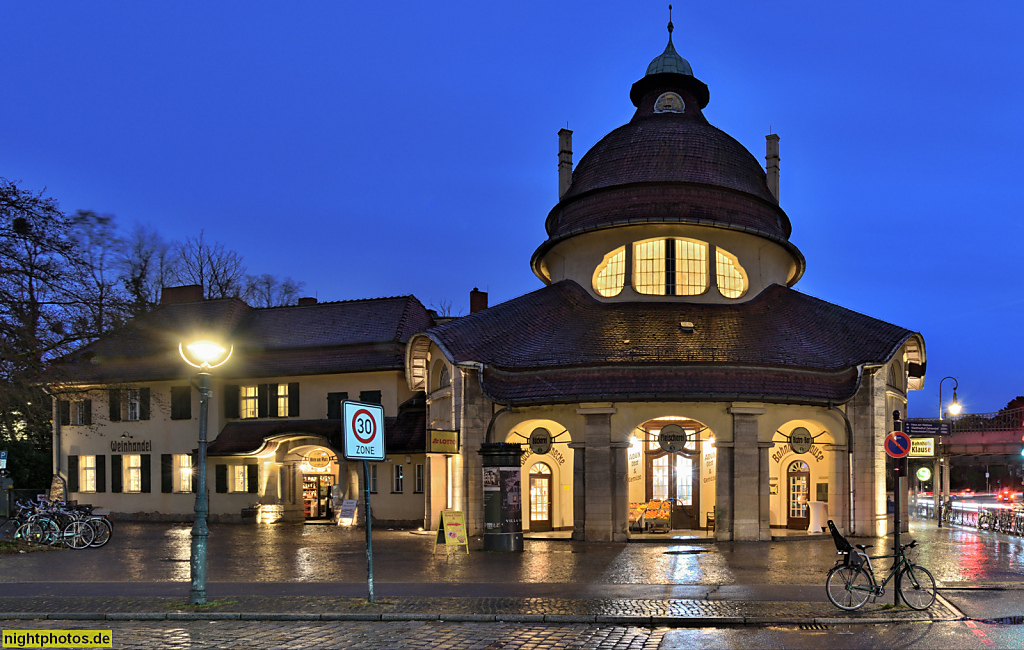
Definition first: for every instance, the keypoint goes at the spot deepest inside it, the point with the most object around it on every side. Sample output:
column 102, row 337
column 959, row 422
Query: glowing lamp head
column 204, row 353
column 954, row 408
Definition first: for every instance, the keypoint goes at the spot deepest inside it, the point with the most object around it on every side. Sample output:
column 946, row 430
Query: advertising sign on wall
column 922, row 447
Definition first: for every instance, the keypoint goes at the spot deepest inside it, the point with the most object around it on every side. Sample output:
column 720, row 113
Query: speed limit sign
column 364, row 431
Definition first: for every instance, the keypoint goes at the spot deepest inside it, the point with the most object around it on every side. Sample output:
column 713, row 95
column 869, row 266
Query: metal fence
column 1000, row 520
column 998, row 421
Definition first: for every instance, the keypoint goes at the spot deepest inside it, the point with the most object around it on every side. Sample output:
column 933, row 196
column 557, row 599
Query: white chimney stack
column 564, row 162
column 772, row 166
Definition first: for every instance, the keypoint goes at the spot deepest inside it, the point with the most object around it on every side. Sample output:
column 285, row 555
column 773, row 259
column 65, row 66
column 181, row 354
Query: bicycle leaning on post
column 852, row 580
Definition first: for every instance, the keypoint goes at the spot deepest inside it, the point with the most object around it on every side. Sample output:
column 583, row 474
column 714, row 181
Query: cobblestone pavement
column 404, row 634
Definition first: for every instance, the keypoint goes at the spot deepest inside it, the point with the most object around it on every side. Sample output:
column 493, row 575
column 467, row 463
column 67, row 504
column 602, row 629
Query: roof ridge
column 341, row 302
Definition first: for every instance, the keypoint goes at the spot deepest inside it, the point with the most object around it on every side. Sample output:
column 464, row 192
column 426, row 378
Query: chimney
column 477, row 300
column 564, row 162
column 303, row 302
column 187, row 293
column 772, row 166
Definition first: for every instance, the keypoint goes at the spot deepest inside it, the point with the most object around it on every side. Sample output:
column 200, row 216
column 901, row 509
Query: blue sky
column 373, row 149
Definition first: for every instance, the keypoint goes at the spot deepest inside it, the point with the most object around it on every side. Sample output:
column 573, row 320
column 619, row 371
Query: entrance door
column 316, row 492
column 674, row 477
column 540, row 497
column 799, row 482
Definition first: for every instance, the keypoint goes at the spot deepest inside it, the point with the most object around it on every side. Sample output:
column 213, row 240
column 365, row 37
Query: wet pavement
column 318, row 573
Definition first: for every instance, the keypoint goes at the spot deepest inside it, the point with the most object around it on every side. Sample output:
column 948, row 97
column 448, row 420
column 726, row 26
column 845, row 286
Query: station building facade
column 668, row 301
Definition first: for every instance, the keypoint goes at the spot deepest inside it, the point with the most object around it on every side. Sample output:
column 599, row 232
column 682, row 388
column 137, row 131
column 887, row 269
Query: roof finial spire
column 670, row 26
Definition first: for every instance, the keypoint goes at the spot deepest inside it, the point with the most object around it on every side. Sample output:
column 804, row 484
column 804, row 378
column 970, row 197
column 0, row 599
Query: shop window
column 611, row 273
column 670, row 267
column 732, row 279
column 132, row 473
column 684, row 486
column 181, row 402
column 87, row 473
column 398, row 475
column 419, row 479
column 183, row 469
column 659, row 477
column 248, row 402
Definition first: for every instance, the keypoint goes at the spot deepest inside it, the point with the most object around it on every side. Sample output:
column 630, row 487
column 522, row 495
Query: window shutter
column 370, row 396
column 115, row 404
column 231, row 401
column 144, row 403
column 181, row 402
column 72, row 473
column 64, row 411
column 273, row 393
column 116, row 473
column 101, row 473
column 166, row 474
column 252, row 478
column 221, row 478
column 87, row 407
column 293, row 399
column 147, row 472
column 334, row 401
column 262, row 410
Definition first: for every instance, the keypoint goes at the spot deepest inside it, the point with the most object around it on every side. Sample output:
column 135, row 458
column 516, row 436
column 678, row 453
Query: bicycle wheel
column 917, row 587
column 30, row 532
column 103, row 531
column 49, row 531
column 848, row 587
column 78, row 535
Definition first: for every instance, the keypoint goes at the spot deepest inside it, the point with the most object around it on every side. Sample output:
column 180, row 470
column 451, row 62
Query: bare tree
column 147, row 265
column 220, row 271
column 267, row 291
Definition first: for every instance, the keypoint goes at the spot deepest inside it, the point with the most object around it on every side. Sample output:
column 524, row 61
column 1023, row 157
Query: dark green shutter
column 166, row 473
column 101, row 473
column 262, row 409
column 72, row 473
column 370, row 396
column 252, row 478
column 231, row 401
column 144, row 403
column 181, row 402
column 293, row 399
column 114, row 397
column 147, row 473
column 221, row 477
column 334, row 401
column 272, row 401
column 116, row 473
column 87, row 406
column 64, row 412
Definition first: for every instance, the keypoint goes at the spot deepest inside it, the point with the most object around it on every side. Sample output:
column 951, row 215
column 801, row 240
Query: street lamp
column 205, row 355
column 954, row 406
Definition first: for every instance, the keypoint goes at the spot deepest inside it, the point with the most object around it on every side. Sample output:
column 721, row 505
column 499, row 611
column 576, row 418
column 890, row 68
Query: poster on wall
column 511, row 500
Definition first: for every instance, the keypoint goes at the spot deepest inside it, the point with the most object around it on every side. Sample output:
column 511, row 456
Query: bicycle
column 849, row 584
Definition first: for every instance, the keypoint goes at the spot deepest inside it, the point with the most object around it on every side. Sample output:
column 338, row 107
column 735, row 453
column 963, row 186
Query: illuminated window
column 87, row 473
column 133, row 472
column 248, row 401
column 684, row 475
column 611, row 273
column 670, row 267
column 282, row 399
column 732, row 279
column 183, row 463
column 240, row 476
column 659, row 477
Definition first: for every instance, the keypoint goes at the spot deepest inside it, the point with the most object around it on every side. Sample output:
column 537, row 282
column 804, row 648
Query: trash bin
column 819, row 515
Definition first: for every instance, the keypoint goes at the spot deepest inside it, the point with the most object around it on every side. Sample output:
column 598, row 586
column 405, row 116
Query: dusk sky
column 377, row 149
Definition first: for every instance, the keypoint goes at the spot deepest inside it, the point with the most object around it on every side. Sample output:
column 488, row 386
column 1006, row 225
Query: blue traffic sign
column 897, row 444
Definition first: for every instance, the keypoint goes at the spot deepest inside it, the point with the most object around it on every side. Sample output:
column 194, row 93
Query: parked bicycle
column 851, row 582
column 55, row 522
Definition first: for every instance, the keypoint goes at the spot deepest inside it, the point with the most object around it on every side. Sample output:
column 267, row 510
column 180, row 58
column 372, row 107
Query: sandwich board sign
column 364, row 431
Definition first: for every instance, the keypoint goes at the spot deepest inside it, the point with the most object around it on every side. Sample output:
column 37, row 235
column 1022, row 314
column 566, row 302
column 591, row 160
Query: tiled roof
column 406, row 433
column 559, row 343
column 325, row 338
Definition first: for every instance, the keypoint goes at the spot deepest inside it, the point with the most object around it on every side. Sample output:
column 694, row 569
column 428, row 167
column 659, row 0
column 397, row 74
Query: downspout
column 849, row 462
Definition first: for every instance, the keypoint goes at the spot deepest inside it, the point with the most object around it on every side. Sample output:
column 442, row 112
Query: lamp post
column 954, row 406
column 941, row 483
column 204, row 355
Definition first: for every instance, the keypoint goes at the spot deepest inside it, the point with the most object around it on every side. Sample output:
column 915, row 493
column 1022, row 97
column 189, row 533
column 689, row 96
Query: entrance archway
column 681, row 474
column 798, row 481
column 540, row 497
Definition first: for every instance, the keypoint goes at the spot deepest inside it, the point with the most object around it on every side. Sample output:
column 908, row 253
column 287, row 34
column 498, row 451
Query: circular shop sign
column 924, row 474
column 540, row 441
column 800, row 440
column 673, row 438
column 318, row 459
column 363, row 426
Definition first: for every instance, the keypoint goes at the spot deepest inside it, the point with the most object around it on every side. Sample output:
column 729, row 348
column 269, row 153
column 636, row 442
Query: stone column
column 476, row 413
column 867, row 414
column 839, row 497
column 764, row 502
column 748, row 483
column 602, row 493
column 723, row 491
column 579, row 490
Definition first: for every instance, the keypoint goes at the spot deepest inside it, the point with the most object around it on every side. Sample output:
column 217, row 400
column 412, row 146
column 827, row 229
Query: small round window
column 669, row 103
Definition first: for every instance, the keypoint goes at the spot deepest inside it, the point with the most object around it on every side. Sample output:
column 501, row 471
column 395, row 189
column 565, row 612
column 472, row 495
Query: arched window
column 732, row 279
column 611, row 273
column 445, row 379
column 670, row 267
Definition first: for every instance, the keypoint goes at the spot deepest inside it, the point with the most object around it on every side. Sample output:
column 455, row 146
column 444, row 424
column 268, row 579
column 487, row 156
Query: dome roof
column 670, row 61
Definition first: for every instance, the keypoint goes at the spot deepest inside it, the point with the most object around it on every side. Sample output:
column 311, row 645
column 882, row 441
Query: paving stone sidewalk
column 661, row 612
